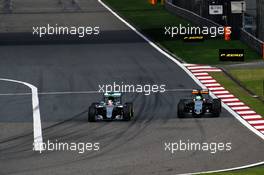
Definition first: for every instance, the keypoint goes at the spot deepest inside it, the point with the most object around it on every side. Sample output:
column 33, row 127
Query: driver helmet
column 110, row 100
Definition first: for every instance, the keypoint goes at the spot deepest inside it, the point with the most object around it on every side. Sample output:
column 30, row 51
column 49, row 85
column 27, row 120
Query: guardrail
column 196, row 19
column 252, row 42
column 189, row 15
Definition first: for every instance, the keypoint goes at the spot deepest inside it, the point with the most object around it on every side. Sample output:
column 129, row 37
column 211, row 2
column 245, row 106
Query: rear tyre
column 114, row 113
column 128, row 112
column 216, row 107
column 181, row 107
column 131, row 108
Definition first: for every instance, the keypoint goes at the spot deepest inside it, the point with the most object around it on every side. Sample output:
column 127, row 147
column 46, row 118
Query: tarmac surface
column 135, row 147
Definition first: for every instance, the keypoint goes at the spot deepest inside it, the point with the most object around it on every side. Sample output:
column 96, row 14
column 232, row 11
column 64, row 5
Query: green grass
column 232, row 87
column 250, row 171
column 151, row 20
column 251, row 78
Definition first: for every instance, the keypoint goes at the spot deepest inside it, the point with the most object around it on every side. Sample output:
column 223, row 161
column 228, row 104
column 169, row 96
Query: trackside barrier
column 196, row 19
column 189, row 15
column 252, row 42
column 263, row 50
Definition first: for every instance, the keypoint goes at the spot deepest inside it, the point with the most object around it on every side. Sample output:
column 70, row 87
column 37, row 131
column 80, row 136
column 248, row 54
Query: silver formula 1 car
column 200, row 104
column 111, row 108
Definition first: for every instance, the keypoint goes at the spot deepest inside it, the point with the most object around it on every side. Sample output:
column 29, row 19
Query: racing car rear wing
column 203, row 91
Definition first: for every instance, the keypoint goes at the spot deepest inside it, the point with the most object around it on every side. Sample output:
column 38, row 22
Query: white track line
column 229, row 169
column 206, row 70
column 199, row 67
column 246, row 112
column 201, row 74
column 216, row 88
column 225, row 96
column 208, row 81
column 235, row 104
column 241, row 107
column 220, row 92
column 211, row 84
column 37, row 131
column 190, row 65
column 230, row 99
column 256, row 121
column 259, row 127
column 247, row 117
column 204, row 77
column 197, row 81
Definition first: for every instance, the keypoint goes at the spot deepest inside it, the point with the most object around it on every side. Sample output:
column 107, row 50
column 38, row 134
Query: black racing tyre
column 181, row 109
column 114, row 113
column 216, row 107
column 128, row 111
column 131, row 108
column 92, row 113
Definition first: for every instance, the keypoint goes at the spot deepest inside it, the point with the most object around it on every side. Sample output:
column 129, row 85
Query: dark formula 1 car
column 200, row 104
column 110, row 108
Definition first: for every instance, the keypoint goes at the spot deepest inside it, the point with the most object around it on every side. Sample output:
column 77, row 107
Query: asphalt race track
column 135, row 147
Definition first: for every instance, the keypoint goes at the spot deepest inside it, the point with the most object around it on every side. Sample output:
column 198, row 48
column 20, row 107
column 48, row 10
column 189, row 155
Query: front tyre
column 181, row 109
column 216, row 107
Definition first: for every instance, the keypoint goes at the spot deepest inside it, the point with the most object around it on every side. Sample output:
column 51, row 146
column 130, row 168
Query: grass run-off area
column 253, row 79
column 151, row 20
column 232, row 87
